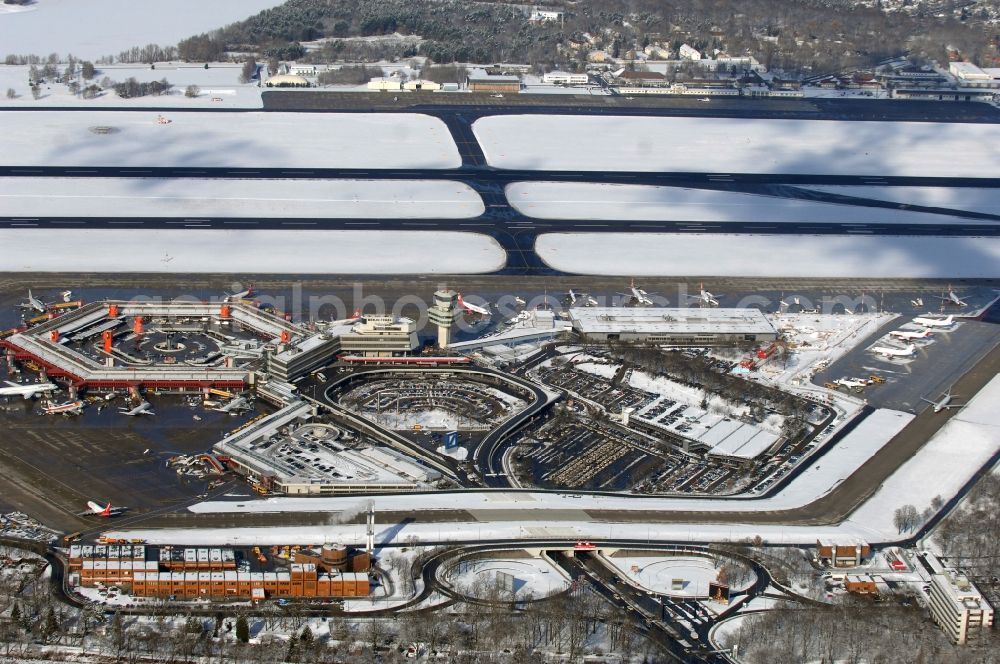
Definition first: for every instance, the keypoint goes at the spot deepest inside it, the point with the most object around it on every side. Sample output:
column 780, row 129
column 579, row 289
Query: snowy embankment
column 738, row 145
column 96, row 28
column 957, row 198
column 226, row 140
column 718, row 255
column 942, row 466
column 243, row 250
column 192, row 197
column 571, row 200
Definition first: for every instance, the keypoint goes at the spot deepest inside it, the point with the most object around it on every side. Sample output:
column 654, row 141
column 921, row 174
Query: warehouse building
column 480, row 81
column 673, row 326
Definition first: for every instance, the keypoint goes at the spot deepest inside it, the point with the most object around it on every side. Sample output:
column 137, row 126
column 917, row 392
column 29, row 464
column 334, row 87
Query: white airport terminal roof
column 652, row 320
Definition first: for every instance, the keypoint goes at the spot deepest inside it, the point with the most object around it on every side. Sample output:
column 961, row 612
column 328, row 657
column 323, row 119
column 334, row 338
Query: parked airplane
column 64, row 408
column 918, row 302
column 952, row 298
column 637, row 296
column 943, row 403
column 704, row 297
column 783, row 303
column 472, row 308
column 144, row 408
column 886, row 351
column 234, row 406
column 242, row 295
column 851, row 382
column 343, row 321
column 104, row 511
column 906, row 335
column 34, row 303
column 26, row 391
column 934, row 322
column 581, row 299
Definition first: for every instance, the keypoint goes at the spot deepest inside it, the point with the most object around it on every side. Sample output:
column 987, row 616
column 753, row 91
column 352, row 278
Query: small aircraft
column 918, row 302
column 144, row 408
column 952, row 298
column 704, row 297
column 637, row 296
column 582, row 299
column 26, row 391
column 472, row 308
column 909, row 336
column 886, row 351
column 943, row 403
column 65, row 408
column 234, row 406
column 851, row 382
column 934, row 322
column 242, row 295
column 104, row 511
column 34, row 303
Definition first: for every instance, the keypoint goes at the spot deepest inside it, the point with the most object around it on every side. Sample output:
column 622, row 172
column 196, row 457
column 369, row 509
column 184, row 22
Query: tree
column 87, row 70
column 11, row 94
column 192, row 91
column 249, row 71
column 36, row 91
column 242, row 629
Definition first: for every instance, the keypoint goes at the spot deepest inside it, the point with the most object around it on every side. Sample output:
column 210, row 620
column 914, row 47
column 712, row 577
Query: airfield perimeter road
column 517, row 233
column 832, row 508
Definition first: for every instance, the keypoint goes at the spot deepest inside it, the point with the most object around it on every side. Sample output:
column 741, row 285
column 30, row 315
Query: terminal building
column 673, row 326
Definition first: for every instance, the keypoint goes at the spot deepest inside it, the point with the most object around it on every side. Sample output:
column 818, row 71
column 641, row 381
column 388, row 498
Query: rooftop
column 591, row 320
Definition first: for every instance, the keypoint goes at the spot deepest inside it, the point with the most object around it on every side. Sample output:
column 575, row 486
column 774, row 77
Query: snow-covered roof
column 591, row 320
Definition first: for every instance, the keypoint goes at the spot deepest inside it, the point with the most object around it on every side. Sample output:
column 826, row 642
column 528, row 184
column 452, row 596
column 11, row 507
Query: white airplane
column 704, row 297
column 952, row 298
column 355, row 317
column 934, row 322
column 851, row 382
column 242, row 295
column 906, row 335
column 944, row 403
column 472, row 308
column 782, row 303
column 919, row 302
column 886, row 351
column 33, row 303
column 234, row 406
column 638, row 296
column 65, row 408
column 580, row 299
column 104, row 511
column 144, row 408
column 26, row 391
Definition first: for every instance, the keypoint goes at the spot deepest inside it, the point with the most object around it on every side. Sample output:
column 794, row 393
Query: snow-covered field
column 219, row 87
column 243, row 250
column 247, row 140
column 957, row 198
column 193, row 197
column 690, row 254
column 94, row 28
column 725, row 145
column 571, row 200
column 657, row 573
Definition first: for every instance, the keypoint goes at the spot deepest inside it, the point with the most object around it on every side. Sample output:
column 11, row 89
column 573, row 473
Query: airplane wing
column 10, row 384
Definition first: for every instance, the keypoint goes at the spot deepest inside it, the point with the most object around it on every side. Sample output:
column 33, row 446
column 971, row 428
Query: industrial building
column 956, row 605
column 565, row 78
column 481, row 81
column 673, row 326
column 220, row 573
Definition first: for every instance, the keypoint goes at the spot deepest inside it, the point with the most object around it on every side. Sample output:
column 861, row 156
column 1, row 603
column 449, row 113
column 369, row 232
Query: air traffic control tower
column 443, row 313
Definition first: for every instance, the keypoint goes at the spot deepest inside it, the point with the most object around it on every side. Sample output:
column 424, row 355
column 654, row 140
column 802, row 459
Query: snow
column 603, row 370
column 570, row 200
column 718, row 254
column 193, row 197
column 457, row 453
column 738, row 145
column 249, row 140
column 533, row 577
column 953, row 456
column 219, row 87
column 94, row 28
column 958, row 198
column 656, row 572
column 245, row 250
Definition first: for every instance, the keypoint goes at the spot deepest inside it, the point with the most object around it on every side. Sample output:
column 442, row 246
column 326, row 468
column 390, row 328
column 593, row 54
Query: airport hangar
column 674, row 326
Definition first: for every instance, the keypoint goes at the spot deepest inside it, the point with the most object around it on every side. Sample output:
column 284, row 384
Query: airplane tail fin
column 357, row 313
column 950, row 319
column 107, row 510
